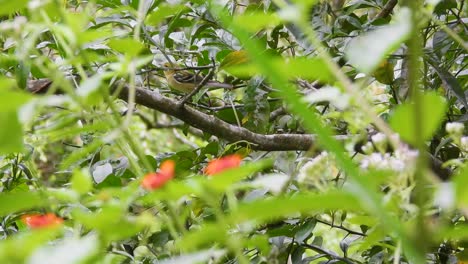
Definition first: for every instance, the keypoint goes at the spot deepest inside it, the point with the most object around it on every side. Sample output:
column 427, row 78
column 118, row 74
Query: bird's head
column 169, row 67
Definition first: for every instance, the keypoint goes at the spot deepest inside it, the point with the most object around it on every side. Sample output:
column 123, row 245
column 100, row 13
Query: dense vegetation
column 341, row 141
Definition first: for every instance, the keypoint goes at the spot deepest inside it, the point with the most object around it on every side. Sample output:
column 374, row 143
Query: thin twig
column 388, row 8
column 330, row 254
column 145, row 31
column 332, row 225
column 228, row 106
column 186, row 68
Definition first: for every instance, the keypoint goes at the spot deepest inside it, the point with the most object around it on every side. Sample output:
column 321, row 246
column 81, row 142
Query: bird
column 186, row 81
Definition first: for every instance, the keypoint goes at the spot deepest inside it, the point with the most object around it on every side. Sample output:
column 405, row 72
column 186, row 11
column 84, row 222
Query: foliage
column 363, row 102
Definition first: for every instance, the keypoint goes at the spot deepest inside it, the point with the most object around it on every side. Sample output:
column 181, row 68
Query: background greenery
column 364, row 104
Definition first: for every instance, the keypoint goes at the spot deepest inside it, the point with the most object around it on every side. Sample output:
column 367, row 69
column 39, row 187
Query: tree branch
column 219, row 128
column 388, row 8
column 211, row 124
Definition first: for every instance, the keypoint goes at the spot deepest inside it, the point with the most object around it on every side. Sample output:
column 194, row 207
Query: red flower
column 41, row 220
column 218, row 165
column 155, row 180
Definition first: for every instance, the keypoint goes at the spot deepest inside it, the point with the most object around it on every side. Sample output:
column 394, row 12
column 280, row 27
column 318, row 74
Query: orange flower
column 155, row 180
column 218, row 165
column 41, row 220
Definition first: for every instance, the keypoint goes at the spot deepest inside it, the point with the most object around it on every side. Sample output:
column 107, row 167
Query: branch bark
column 219, row 128
column 388, row 8
column 208, row 123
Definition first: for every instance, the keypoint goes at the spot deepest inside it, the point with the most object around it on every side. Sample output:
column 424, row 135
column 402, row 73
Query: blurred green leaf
column 264, row 211
column 9, row 7
column 254, row 21
column 277, row 207
column 22, row 73
column 163, row 11
column 367, row 51
column 11, row 133
column 81, row 153
column 128, row 46
column 236, row 57
column 306, row 68
column 81, row 181
column 111, row 222
column 12, row 202
column 109, row 3
column 432, row 112
column 17, row 249
column 460, row 180
column 207, row 235
column 89, row 86
column 11, row 99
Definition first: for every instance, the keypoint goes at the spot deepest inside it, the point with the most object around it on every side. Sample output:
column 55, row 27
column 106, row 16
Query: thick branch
column 210, row 124
column 219, row 128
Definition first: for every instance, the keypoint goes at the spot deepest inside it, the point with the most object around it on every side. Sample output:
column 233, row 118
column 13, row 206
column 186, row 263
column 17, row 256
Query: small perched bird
column 186, row 81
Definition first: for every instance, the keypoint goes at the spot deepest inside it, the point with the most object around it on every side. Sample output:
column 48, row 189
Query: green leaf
column 89, row 85
column 444, row 5
column 304, row 231
column 460, row 180
column 9, row 7
column 128, row 46
column 163, row 11
column 110, row 222
column 82, row 153
column 366, row 52
column 81, row 181
column 11, row 133
column 206, row 235
column 109, row 3
column 403, row 119
column 18, row 201
column 254, row 21
column 262, row 211
column 11, row 100
column 306, row 68
column 17, row 248
column 236, row 57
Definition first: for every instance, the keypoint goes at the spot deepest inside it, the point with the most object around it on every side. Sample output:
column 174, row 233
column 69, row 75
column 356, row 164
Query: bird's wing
column 187, row 77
